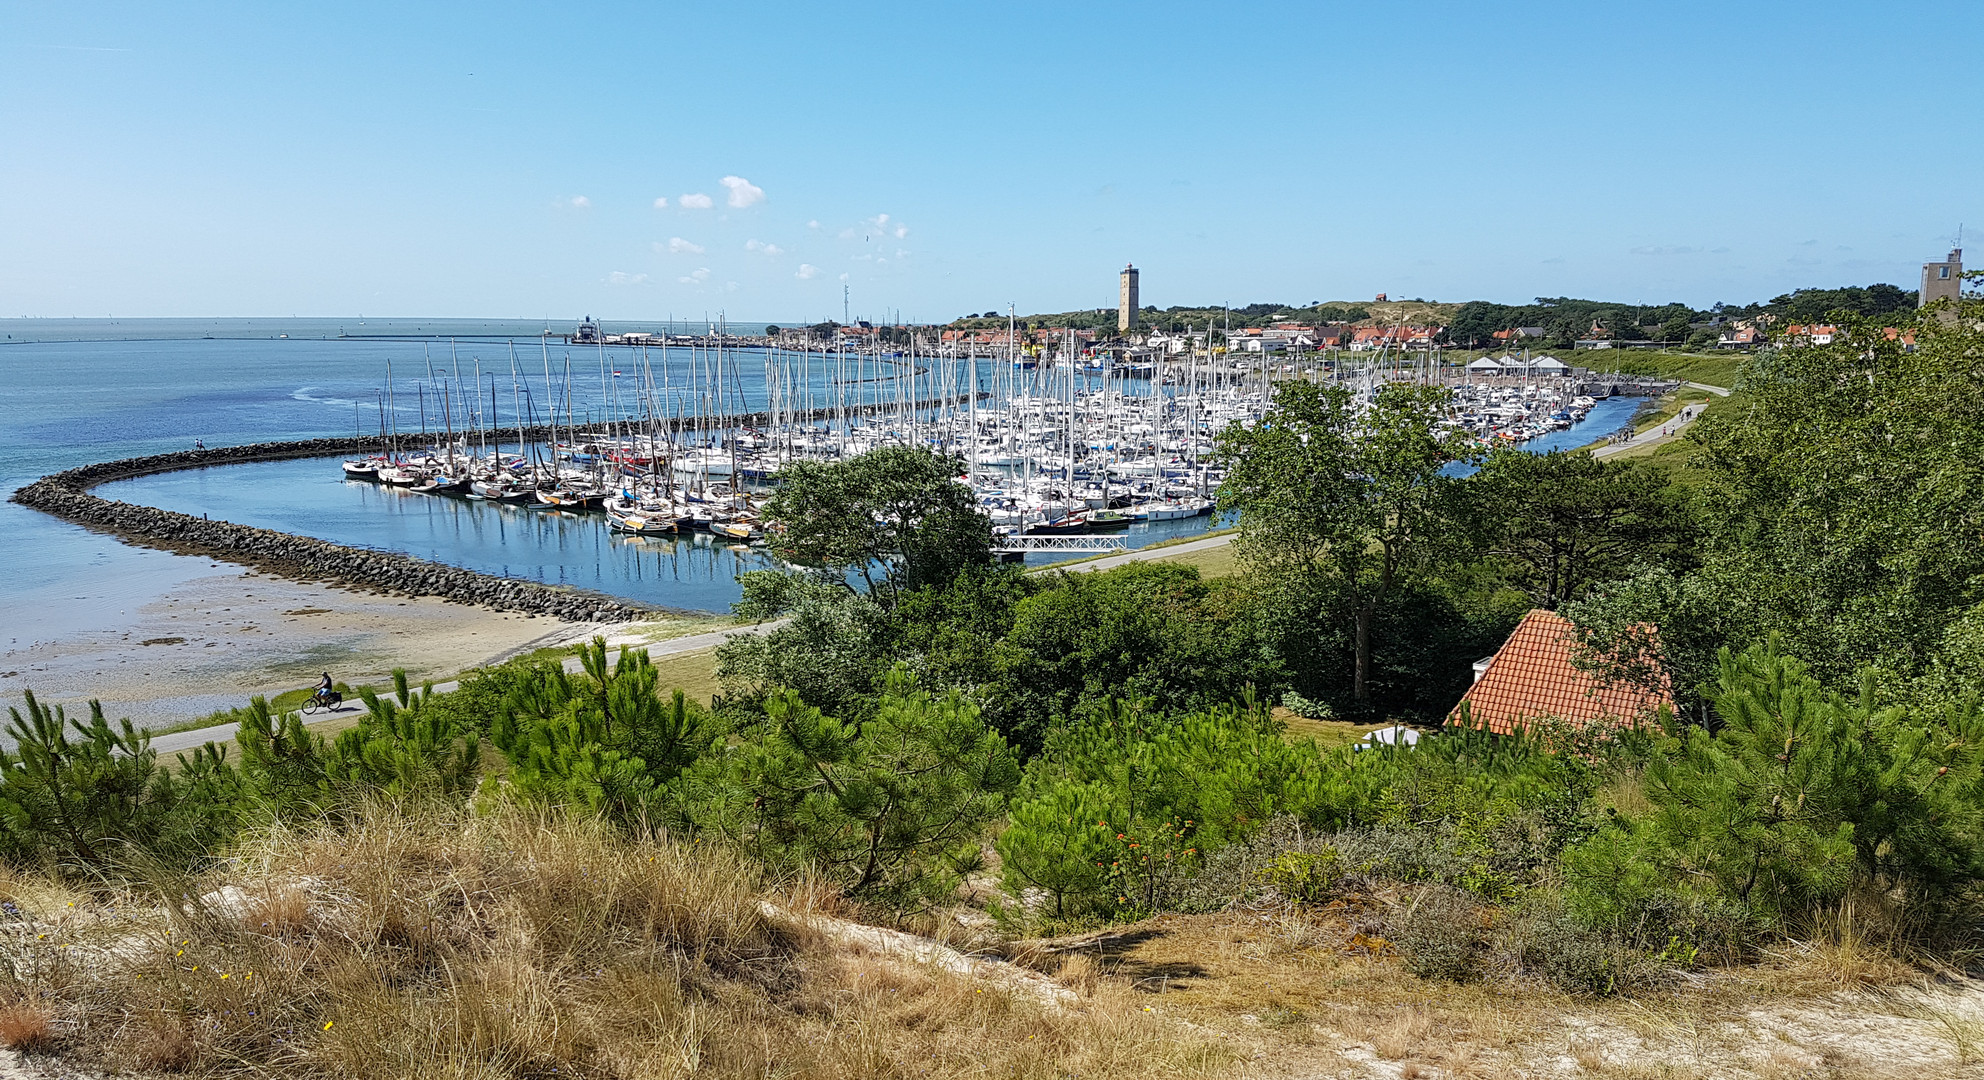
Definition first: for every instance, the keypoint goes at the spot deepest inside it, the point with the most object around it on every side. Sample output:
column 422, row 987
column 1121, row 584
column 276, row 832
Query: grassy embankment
column 430, row 942
column 1708, row 369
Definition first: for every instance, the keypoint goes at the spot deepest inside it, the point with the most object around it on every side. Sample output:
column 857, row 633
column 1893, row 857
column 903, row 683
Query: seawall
column 67, row 495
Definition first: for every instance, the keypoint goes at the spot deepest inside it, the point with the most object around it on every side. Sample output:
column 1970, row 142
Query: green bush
column 1304, row 877
column 99, row 799
column 603, row 742
column 1540, row 939
column 1798, row 797
column 1148, row 795
column 893, row 807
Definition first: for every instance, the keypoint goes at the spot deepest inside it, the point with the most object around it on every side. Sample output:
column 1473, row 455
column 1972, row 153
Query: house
column 1377, row 337
column 1484, row 366
column 1549, row 367
column 1533, row 676
column 1815, row 334
column 1517, row 333
column 1366, row 338
column 1256, row 340
column 1740, row 337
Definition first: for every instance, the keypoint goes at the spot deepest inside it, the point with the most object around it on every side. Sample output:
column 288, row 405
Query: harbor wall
column 67, row 495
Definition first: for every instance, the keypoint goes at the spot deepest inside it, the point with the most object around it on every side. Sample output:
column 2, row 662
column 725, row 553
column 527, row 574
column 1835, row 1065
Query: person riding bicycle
column 324, row 691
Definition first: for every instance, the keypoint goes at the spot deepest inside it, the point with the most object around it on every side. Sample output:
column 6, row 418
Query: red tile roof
column 1532, row 676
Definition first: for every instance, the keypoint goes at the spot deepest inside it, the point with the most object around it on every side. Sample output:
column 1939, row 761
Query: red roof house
column 1532, row 676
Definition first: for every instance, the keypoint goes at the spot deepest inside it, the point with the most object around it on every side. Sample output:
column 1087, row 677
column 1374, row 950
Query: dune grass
column 431, row 942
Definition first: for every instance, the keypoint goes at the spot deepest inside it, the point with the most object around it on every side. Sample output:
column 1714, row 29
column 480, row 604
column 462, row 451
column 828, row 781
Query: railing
column 1029, row 544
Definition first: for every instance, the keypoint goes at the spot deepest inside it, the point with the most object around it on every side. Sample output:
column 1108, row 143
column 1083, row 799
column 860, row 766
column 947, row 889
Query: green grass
column 1712, row 369
column 1328, row 734
column 1669, row 406
column 693, row 673
column 1221, row 561
column 1674, row 455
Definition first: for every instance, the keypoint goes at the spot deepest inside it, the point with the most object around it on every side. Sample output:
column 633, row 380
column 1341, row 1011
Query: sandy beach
column 212, row 641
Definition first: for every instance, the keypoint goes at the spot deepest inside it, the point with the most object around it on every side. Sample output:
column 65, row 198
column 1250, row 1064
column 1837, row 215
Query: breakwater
column 67, row 495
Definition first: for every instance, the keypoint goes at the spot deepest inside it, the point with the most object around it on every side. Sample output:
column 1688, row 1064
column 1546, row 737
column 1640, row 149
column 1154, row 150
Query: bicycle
column 322, row 701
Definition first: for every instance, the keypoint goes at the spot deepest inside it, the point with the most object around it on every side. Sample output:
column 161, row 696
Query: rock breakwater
column 67, row 495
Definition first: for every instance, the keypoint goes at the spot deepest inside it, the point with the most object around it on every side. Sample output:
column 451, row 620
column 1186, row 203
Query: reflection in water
column 310, row 497
column 556, row 547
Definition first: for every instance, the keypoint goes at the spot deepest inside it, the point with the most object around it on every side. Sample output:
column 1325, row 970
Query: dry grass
column 694, row 673
column 27, row 1026
column 443, row 945
column 1303, row 1001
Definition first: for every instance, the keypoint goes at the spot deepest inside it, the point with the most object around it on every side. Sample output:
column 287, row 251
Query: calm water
column 79, row 391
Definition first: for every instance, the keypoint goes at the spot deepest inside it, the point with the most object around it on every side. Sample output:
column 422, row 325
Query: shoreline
column 67, row 495
column 218, row 639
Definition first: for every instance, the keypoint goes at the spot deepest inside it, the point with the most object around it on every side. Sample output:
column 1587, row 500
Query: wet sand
column 213, row 640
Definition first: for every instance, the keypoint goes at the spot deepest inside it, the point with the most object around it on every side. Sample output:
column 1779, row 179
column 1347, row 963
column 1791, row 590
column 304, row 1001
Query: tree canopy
column 1343, row 496
column 897, row 512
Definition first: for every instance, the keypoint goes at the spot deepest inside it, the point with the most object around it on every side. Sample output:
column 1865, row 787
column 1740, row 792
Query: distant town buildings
column 1366, row 338
column 1126, row 300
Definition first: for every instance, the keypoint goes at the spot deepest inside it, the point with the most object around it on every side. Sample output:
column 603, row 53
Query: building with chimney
column 1941, row 280
column 1126, row 300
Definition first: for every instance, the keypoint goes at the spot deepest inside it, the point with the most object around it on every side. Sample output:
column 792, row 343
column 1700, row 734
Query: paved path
column 1668, row 430
column 179, row 741
column 1111, row 562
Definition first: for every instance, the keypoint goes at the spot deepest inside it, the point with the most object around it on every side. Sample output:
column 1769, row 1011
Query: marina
column 1055, row 443
column 1049, row 440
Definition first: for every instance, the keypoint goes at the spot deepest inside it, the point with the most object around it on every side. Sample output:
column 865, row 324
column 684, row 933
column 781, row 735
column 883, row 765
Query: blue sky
column 494, row 159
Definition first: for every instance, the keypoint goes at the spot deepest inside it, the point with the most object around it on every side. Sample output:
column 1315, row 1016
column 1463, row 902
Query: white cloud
column 807, row 272
column 698, row 277
column 621, row 278
column 814, row 224
column 743, row 192
column 661, row 203
column 843, row 277
column 884, row 225
column 847, row 234
column 679, row 246
column 760, row 245
column 580, row 202
column 695, row 202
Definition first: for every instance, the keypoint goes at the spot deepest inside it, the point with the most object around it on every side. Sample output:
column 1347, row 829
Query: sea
column 86, row 390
